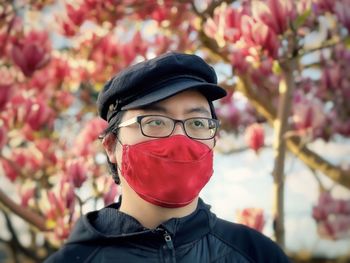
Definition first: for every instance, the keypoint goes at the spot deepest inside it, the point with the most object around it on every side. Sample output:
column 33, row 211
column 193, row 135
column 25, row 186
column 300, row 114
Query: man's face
column 187, row 104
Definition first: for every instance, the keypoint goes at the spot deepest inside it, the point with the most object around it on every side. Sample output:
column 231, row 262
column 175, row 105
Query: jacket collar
column 110, row 223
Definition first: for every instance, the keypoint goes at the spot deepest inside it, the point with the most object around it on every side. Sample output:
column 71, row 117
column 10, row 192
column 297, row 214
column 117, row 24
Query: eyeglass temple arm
column 128, row 122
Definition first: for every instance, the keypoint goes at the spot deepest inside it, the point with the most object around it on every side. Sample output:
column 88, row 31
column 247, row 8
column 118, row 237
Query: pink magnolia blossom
column 276, row 14
column 252, row 217
column 3, row 134
column 161, row 13
column 335, row 228
column 88, row 135
column 106, row 188
column 332, row 216
column 47, row 149
column 3, row 40
column 63, row 99
column 91, row 4
column 225, row 25
column 32, row 52
column 5, row 94
column 6, row 86
column 9, row 169
column 239, row 62
column 264, row 77
column 105, row 51
column 105, row 48
column 331, row 77
column 139, row 44
column 307, row 114
column 342, row 10
column 56, row 206
column 26, row 160
column 61, row 69
column 62, row 229
column 67, row 195
column 228, row 98
column 341, row 127
column 59, row 202
column 229, row 113
column 39, row 114
column 303, row 6
column 26, row 196
column 254, row 136
column 16, row 113
column 76, row 15
column 53, row 75
column 67, row 28
column 257, row 34
column 327, row 205
column 324, row 6
column 232, row 29
column 164, row 11
column 129, row 51
column 76, row 172
column 40, row 81
column 109, row 48
column 161, row 43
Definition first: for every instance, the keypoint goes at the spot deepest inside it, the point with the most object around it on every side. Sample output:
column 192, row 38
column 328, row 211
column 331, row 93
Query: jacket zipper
column 168, row 241
column 169, row 255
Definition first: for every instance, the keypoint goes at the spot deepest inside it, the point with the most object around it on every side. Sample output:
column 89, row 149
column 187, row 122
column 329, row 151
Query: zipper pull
column 168, row 241
column 166, row 236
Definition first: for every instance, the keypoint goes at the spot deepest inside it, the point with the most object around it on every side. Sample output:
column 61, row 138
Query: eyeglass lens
column 161, row 126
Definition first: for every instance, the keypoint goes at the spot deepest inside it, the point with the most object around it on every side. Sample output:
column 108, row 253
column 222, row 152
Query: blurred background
column 282, row 162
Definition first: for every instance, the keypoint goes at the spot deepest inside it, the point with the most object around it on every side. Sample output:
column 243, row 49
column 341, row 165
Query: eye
column 197, row 123
column 154, row 122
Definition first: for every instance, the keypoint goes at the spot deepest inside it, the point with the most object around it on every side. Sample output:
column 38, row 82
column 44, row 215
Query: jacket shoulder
column 73, row 253
column 252, row 244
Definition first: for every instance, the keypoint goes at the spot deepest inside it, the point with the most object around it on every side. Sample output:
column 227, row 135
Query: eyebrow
column 154, row 107
column 198, row 110
column 159, row 108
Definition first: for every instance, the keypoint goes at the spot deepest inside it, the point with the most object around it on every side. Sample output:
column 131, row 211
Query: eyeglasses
column 158, row 126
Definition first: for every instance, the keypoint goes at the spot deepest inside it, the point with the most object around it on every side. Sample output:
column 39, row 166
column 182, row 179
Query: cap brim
column 210, row 91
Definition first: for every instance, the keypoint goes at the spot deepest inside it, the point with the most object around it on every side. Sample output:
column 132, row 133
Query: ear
column 109, row 143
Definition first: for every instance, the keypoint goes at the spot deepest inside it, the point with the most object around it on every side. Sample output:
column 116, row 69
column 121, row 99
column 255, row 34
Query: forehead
column 186, row 97
column 190, row 102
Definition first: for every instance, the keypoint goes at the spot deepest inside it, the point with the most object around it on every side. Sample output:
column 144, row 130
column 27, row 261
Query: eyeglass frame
column 137, row 119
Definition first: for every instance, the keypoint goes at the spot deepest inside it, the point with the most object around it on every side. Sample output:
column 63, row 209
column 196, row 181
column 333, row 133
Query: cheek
column 119, row 153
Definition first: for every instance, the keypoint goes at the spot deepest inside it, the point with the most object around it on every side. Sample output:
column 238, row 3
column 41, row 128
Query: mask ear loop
column 117, row 165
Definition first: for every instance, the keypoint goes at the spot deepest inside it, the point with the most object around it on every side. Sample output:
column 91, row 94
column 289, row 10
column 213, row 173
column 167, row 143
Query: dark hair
column 112, row 128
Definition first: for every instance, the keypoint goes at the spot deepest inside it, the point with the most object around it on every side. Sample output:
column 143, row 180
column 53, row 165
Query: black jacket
column 108, row 235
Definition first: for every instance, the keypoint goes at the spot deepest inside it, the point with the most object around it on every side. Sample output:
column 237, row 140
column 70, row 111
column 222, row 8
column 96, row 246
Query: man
column 159, row 143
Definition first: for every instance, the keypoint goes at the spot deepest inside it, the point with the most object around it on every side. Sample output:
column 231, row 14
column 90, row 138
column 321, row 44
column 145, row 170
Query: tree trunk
column 279, row 145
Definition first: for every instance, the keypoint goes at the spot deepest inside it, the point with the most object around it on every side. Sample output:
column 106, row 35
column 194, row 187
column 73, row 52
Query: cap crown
column 140, row 79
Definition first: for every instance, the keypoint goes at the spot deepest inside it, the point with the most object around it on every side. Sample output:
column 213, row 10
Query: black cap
column 157, row 79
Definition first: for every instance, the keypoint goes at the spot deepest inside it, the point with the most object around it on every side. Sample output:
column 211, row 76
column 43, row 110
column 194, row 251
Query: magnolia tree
column 288, row 59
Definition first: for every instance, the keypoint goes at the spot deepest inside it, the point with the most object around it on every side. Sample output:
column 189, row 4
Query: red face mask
column 168, row 172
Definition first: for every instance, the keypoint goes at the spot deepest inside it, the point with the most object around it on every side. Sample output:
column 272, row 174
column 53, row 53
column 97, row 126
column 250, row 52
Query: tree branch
column 240, row 149
column 327, row 44
column 316, row 162
column 15, row 243
column 25, row 213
